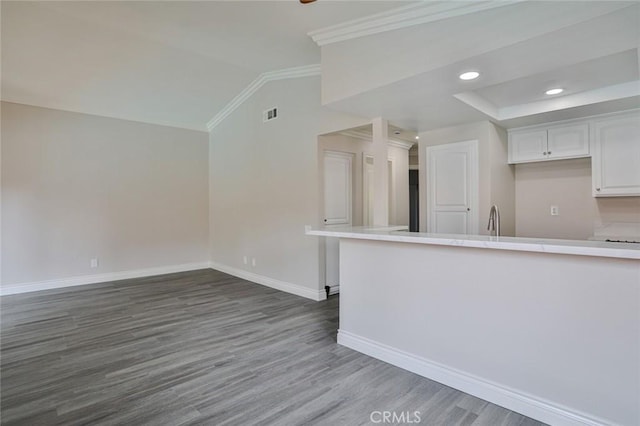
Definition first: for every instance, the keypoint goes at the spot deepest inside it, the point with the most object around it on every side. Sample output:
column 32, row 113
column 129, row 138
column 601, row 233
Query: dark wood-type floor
column 202, row 348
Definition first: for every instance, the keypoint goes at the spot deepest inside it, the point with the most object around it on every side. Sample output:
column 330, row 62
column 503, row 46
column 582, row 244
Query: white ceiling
column 575, row 78
column 180, row 63
column 594, row 58
column 173, row 63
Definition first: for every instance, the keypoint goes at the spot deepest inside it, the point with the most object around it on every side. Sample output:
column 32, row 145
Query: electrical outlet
column 94, row 262
column 253, row 261
column 555, row 211
column 245, row 260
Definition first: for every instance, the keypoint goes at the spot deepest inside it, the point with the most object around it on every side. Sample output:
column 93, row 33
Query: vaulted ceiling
column 179, row 63
column 175, row 63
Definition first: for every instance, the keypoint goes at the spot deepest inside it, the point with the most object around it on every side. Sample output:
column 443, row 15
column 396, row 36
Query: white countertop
column 541, row 245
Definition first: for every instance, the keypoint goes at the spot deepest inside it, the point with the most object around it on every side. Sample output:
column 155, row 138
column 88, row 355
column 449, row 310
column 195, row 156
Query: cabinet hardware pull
column 549, row 152
column 597, row 189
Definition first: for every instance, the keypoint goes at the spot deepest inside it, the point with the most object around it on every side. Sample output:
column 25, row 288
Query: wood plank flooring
column 202, row 348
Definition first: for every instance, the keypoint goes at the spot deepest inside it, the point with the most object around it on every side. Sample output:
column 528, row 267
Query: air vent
column 270, row 114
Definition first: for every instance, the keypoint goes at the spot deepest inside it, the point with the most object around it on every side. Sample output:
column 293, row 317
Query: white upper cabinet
column 568, row 141
column 527, row 146
column 616, row 155
column 543, row 143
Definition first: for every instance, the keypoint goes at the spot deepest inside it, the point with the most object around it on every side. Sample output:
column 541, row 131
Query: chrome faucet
column 494, row 220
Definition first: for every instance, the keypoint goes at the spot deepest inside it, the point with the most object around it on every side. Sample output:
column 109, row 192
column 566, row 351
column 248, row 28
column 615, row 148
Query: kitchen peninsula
column 548, row 328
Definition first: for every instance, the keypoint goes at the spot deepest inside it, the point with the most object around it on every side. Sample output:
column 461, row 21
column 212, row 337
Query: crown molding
column 402, row 17
column 357, row 134
column 589, row 97
column 255, row 85
column 400, row 144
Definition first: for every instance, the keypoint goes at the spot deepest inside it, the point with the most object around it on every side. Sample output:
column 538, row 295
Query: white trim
column 589, row 97
column 357, row 134
column 559, row 123
column 512, row 399
column 414, row 167
column 400, row 144
column 296, row 289
column 99, row 278
column 401, row 17
column 255, row 85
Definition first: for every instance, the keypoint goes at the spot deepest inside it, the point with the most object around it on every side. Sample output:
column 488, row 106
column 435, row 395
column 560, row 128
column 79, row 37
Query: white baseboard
column 536, row 408
column 296, row 289
column 99, row 278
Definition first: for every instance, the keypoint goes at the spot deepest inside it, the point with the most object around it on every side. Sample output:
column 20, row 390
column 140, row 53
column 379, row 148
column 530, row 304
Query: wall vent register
column 270, row 114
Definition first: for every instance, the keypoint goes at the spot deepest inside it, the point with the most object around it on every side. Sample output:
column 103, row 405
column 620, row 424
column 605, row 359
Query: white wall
column 566, row 184
column 546, row 335
column 77, row 186
column 264, row 185
column 496, row 176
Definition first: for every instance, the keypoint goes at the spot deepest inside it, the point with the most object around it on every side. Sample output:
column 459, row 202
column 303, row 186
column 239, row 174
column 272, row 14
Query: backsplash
column 567, row 185
column 617, row 231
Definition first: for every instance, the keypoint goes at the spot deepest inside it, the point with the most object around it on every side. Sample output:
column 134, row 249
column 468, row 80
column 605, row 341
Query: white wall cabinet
column 616, row 155
column 544, row 143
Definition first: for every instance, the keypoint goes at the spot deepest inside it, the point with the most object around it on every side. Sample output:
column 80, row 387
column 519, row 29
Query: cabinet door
column 616, row 156
column 527, row 145
column 571, row 141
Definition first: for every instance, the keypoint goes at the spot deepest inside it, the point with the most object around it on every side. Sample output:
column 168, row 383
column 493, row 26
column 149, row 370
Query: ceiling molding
column 400, row 144
column 357, row 134
column 589, row 97
column 255, row 85
column 401, row 17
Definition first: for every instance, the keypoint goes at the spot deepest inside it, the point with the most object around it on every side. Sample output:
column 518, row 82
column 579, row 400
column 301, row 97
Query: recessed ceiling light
column 554, row 91
column 470, row 75
column 417, row 137
column 396, row 132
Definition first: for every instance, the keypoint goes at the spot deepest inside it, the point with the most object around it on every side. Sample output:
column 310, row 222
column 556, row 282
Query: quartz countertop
column 541, row 245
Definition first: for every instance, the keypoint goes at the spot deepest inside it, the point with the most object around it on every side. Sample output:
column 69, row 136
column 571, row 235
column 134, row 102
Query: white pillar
column 380, row 152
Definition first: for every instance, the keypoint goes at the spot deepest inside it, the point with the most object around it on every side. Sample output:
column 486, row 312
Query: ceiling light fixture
column 417, row 137
column 469, row 75
column 554, row 91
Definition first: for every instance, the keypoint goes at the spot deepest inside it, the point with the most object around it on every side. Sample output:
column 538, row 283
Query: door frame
column 474, row 183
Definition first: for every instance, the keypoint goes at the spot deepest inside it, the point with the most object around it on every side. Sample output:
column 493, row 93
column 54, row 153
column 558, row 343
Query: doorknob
column 325, row 221
column 468, row 209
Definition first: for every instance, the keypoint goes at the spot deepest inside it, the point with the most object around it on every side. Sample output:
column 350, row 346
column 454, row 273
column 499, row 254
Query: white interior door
column 452, row 188
column 337, row 208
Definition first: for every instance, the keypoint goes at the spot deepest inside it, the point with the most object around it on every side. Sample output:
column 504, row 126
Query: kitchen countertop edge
column 539, row 245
